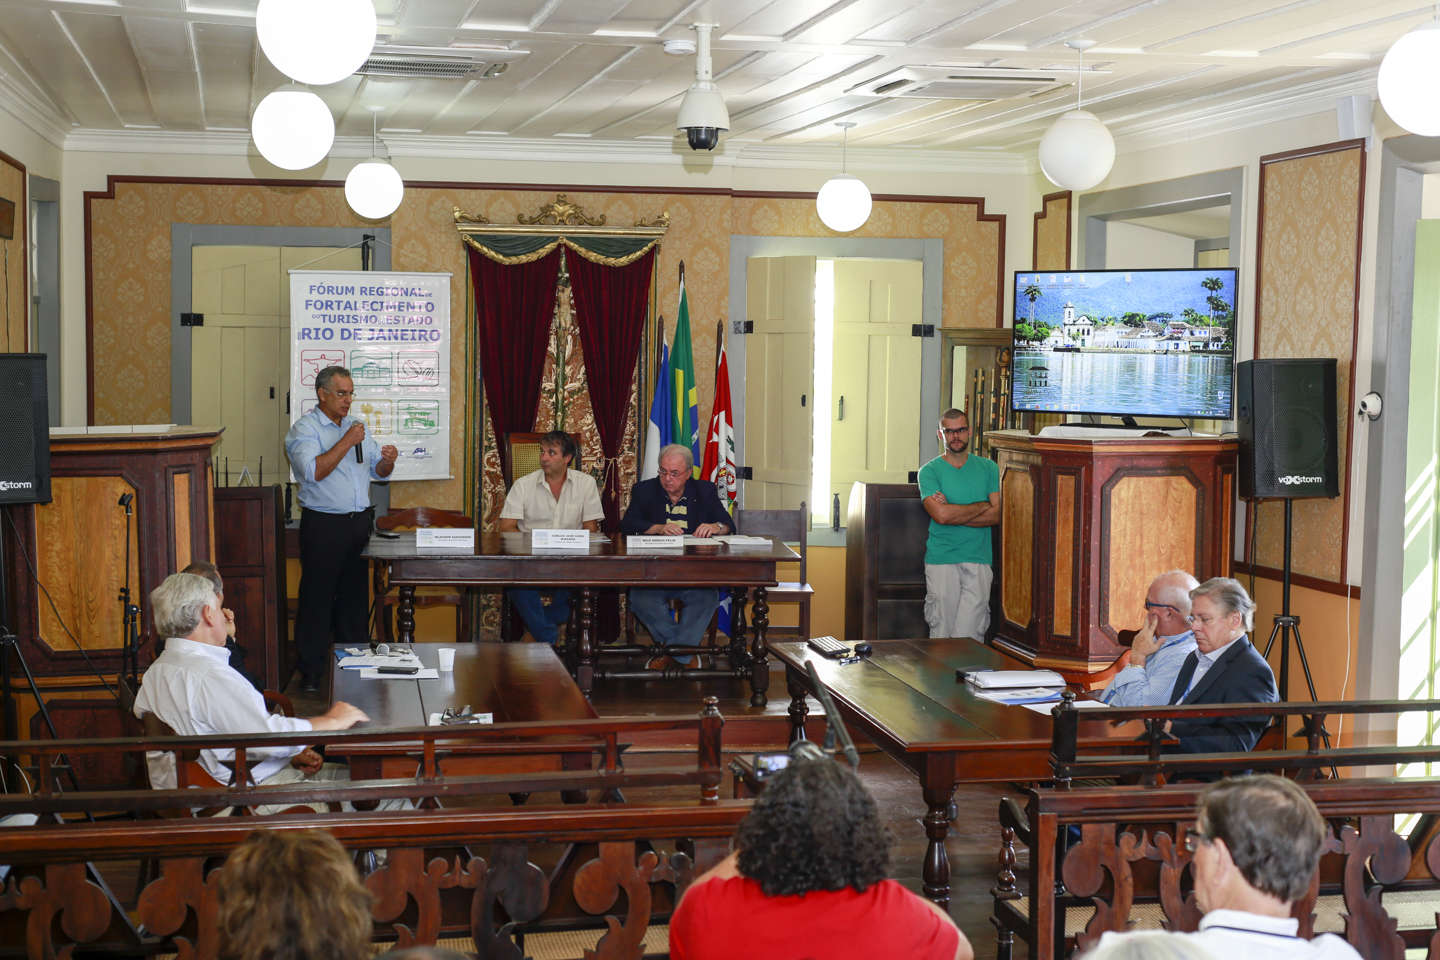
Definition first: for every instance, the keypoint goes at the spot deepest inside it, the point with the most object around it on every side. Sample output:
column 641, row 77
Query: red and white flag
column 718, row 465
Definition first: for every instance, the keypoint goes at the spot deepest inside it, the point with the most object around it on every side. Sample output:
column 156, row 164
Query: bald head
column 1169, row 600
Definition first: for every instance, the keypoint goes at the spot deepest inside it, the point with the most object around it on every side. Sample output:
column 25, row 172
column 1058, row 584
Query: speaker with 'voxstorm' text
column 1288, row 432
column 24, row 429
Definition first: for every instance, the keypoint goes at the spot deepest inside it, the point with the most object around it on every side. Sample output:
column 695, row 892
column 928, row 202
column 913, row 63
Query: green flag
column 685, row 423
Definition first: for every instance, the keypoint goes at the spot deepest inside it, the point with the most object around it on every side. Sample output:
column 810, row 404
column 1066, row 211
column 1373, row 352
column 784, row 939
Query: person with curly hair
column 808, row 879
column 291, row 896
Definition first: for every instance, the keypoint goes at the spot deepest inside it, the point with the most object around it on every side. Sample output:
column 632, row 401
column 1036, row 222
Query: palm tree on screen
column 1032, row 293
column 1214, row 286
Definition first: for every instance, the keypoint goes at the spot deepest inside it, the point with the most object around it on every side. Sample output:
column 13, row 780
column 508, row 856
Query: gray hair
column 1148, row 945
column 1229, row 596
column 323, row 378
column 1175, row 587
column 677, row 450
column 178, row 601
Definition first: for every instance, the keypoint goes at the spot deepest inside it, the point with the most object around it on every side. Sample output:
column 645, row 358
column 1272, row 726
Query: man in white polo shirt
column 1254, row 850
column 555, row 497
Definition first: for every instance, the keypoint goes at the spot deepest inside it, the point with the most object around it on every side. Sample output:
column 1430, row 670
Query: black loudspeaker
column 1288, row 441
column 24, row 429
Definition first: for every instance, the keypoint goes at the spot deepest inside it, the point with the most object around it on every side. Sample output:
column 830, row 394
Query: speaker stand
column 1287, row 624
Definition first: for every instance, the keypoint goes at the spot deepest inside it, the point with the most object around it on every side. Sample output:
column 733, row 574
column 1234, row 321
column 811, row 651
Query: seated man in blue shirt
column 673, row 504
column 334, row 462
column 1161, row 646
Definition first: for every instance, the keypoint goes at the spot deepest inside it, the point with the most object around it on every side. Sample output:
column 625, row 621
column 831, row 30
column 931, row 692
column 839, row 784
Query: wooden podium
column 76, row 546
column 1086, row 524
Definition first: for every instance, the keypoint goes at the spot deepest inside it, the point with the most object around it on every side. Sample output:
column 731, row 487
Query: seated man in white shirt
column 555, row 497
column 194, row 690
column 1245, row 882
column 1160, row 648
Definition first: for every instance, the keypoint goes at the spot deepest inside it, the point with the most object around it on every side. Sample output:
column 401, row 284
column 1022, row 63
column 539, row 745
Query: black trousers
column 333, row 592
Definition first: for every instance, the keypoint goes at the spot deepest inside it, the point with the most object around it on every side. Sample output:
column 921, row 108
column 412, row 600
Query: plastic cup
column 447, row 659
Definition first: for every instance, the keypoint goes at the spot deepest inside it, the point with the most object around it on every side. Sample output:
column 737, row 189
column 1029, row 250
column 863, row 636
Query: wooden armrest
column 1090, row 680
column 274, row 699
column 1012, row 815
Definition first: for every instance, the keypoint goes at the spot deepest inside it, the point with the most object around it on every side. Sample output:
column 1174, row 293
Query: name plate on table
column 443, row 537
column 565, row 539
column 654, row 543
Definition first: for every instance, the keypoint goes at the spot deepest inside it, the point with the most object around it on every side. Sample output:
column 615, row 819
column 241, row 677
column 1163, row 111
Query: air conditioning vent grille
column 976, row 88
column 435, row 68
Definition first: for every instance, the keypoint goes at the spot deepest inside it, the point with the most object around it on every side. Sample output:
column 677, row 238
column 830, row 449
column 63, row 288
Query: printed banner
column 392, row 331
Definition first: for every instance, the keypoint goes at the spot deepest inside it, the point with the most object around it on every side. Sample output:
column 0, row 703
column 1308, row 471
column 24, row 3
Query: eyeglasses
column 1193, row 839
column 674, row 473
column 1160, row 606
column 1206, row 621
column 339, row 393
column 954, row 433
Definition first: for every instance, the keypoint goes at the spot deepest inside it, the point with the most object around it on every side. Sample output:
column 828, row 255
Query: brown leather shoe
column 661, row 662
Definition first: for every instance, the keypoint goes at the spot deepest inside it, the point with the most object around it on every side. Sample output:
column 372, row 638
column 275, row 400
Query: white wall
column 1128, row 247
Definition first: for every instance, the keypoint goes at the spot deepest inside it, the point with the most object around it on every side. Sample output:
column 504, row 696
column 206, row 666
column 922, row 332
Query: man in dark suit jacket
column 675, row 504
column 1224, row 668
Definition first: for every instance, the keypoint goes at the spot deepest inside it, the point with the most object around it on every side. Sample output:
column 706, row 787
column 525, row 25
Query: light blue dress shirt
column 1150, row 685
column 346, row 488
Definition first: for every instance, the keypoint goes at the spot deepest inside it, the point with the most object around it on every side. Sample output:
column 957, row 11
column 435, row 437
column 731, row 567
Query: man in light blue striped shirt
column 334, row 462
column 1161, row 646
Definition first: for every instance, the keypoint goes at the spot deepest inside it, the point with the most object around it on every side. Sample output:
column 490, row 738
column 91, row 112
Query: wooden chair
column 519, row 456
column 789, row 526
column 411, row 519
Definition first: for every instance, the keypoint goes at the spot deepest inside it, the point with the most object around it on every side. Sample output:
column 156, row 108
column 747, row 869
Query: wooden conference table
column 508, row 560
column 904, row 697
column 513, row 681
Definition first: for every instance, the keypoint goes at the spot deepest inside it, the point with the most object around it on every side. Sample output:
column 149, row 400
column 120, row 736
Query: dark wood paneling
column 250, row 553
column 885, row 537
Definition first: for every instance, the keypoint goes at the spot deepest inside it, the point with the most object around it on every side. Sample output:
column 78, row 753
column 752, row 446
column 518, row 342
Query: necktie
column 1182, row 682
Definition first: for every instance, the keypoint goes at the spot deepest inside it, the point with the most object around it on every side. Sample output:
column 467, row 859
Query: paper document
column 1000, row 679
column 739, row 539
column 375, row 660
column 370, row 673
column 484, row 718
column 1021, row 695
column 1045, row 708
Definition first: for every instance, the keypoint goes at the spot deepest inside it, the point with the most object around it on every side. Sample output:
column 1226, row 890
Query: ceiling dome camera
column 703, row 114
column 702, row 138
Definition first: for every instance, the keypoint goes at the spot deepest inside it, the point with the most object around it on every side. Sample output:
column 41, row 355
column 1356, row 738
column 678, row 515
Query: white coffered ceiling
column 594, row 70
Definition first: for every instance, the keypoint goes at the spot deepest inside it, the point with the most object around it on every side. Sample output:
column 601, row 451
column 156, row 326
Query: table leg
column 406, row 615
column 739, row 596
column 585, row 666
column 759, row 652
column 938, row 786
column 799, row 707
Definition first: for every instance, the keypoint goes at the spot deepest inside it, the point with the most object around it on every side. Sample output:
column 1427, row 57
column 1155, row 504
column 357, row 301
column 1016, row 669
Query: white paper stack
column 740, row 540
column 1002, row 679
column 375, row 660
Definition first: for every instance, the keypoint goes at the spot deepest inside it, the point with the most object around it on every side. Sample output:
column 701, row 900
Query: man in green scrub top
column 961, row 492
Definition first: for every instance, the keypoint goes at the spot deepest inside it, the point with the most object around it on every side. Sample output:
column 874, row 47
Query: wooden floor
column 974, row 838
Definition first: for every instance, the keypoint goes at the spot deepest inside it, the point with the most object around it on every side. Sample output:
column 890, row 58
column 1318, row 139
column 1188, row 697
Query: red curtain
column 514, row 307
column 610, row 308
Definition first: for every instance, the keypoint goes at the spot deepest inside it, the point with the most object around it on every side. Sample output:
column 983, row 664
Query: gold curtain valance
column 546, row 250
column 560, row 222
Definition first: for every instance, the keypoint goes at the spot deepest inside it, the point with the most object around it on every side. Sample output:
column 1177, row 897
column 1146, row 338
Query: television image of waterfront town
column 1144, row 342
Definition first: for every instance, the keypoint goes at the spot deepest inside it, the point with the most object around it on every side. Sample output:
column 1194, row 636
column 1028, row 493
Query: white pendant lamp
column 293, row 128
column 316, row 41
column 1077, row 151
column 1407, row 79
column 844, row 202
column 374, row 188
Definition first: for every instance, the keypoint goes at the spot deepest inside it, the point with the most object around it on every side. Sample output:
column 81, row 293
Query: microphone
column 359, row 456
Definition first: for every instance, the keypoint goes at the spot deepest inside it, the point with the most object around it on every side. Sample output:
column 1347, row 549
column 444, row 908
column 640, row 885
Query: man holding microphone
column 334, row 463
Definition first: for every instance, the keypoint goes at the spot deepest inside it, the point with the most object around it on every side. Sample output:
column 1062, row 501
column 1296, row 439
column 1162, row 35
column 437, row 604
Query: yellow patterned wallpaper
column 1052, row 233
column 14, row 320
column 1310, row 221
column 130, row 257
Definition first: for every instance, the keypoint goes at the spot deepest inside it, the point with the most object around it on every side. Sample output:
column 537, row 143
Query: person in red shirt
column 807, row 882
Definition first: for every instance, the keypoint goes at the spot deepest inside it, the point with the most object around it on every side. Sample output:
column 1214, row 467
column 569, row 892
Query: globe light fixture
column 1407, row 79
column 1077, row 151
column 293, row 128
column 844, row 202
column 316, row 41
column 374, row 188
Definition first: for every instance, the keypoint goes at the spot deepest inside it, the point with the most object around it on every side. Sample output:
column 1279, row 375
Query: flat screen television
column 1154, row 343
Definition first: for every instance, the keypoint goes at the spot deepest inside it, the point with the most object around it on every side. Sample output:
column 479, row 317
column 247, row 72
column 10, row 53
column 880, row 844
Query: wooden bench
column 1113, row 858
column 458, row 870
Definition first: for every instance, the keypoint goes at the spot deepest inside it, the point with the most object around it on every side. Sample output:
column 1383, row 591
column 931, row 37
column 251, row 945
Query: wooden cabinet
column 885, row 537
column 1086, row 524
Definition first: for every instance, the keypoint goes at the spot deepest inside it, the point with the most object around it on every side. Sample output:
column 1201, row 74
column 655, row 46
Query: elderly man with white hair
column 674, row 504
column 193, row 689
column 1160, row 648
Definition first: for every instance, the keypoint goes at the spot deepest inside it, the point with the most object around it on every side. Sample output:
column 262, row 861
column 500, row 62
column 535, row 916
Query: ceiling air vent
column 962, row 83
column 438, row 63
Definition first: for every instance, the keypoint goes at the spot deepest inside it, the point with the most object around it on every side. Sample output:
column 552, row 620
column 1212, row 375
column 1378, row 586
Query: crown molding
column 223, row 143
column 1195, row 120
column 33, row 112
